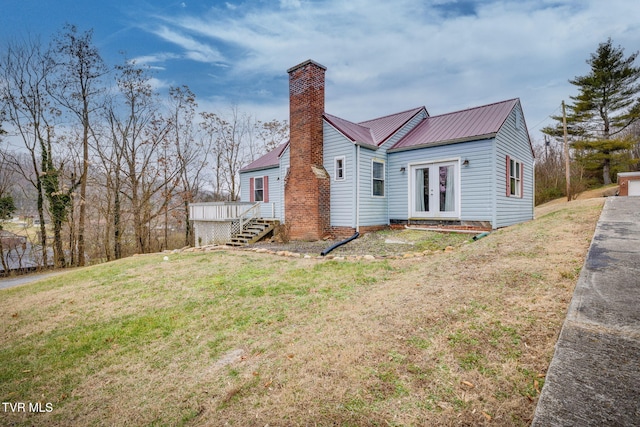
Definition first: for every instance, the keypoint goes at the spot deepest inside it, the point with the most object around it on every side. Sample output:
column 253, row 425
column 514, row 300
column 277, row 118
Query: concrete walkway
column 594, row 377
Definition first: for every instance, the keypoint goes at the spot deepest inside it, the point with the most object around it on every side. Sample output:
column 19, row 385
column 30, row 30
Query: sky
column 382, row 57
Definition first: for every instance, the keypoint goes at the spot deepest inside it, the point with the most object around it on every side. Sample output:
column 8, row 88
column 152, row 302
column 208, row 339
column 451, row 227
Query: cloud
column 152, row 59
column 193, row 49
column 385, row 56
column 290, row 4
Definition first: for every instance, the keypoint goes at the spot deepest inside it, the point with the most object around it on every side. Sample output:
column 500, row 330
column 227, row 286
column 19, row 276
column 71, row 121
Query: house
column 20, row 255
column 629, row 183
column 466, row 169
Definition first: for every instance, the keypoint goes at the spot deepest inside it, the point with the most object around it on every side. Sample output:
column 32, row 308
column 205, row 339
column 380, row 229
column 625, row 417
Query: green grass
column 119, row 315
column 435, row 340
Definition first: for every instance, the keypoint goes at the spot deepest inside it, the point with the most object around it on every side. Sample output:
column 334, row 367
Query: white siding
column 373, row 209
column 513, row 142
column 274, row 205
column 476, row 199
column 284, row 167
column 343, row 203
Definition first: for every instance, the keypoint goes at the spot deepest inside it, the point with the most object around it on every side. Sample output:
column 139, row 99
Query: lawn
column 456, row 337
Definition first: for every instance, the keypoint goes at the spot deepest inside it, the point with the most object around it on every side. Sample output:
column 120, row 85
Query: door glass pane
column 446, row 188
column 422, row 190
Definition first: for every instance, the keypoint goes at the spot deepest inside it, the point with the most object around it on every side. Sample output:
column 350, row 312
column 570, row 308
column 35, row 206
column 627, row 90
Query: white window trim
column 384, row 171
column 411, row 167
column 256, row 189
column 335, row 168
column 518, row 180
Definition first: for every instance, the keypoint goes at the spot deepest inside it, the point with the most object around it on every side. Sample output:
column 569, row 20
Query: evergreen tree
column 608, row 102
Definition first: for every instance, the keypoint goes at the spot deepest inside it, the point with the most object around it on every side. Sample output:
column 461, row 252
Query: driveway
column 594, row 376
column 27, row 278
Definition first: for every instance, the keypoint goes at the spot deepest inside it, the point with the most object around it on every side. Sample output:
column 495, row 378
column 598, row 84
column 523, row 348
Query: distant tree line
column 105, row 164
column 602, row 127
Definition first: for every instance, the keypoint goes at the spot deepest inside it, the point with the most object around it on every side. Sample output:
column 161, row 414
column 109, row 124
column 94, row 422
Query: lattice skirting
column 215, row 232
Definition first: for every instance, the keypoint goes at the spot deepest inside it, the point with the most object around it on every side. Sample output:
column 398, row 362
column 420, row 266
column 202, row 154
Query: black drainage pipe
column 480, row 236
column 330, row 248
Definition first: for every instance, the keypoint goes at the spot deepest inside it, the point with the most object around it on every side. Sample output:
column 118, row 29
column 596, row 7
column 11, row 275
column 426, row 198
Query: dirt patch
column 380, row 244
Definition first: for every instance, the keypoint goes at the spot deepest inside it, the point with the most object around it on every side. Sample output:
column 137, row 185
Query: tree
column 191, row 155
column 7, row 205
column 25, row 69
column 607, row 104
column 130, row 154
column 78, row 89
column 272, row 134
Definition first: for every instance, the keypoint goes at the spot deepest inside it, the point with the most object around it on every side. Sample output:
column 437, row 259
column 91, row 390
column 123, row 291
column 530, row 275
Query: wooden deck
column 232, row 223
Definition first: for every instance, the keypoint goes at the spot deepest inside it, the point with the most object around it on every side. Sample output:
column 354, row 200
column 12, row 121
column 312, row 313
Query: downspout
column 494, row 182
column 533, row 185
column 357, row 188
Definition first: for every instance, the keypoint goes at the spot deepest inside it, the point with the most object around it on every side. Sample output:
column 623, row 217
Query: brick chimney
column 307, row 187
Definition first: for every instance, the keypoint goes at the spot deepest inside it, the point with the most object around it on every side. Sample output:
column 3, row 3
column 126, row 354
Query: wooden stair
column 253, row 232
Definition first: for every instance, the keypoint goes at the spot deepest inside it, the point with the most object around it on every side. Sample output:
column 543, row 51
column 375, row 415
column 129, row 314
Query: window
column 259, row 189
column 514, row 178
column 377, row 174
column 434, row 189
column 339, row 169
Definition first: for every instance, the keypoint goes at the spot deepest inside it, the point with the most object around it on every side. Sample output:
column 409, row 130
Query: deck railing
column 218, row 222
column 247, row 216
column 220, row 211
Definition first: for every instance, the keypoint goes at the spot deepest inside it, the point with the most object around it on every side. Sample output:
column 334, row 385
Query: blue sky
column 381, row 56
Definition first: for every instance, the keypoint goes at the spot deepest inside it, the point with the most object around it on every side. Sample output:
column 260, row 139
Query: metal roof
column 268, row 161
column 353, row 131
column 383, row 128
column 474, row 123
column 466, row 125
column 373, row 132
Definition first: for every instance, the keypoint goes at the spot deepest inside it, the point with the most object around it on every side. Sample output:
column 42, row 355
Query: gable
column 467, row 125
column 373, row 132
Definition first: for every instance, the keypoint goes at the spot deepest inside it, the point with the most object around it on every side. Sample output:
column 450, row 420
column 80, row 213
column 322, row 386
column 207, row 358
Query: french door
column 434, row 190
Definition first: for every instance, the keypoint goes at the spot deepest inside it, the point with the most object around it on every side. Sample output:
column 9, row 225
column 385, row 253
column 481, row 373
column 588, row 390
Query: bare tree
column 130, row 151
column 78, row 89
column 271, row 134
column 209, row 136
column 139, row 133
column 7, row 205
column 25, row 69
column 191, row 154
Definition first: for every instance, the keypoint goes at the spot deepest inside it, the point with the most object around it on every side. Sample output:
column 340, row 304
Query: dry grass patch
column 239, row 338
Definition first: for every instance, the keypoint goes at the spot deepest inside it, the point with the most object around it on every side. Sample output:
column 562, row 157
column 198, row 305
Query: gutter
column 447, row 142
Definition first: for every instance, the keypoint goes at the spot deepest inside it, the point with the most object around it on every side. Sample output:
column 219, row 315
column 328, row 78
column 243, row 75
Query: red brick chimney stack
column 307, row 186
